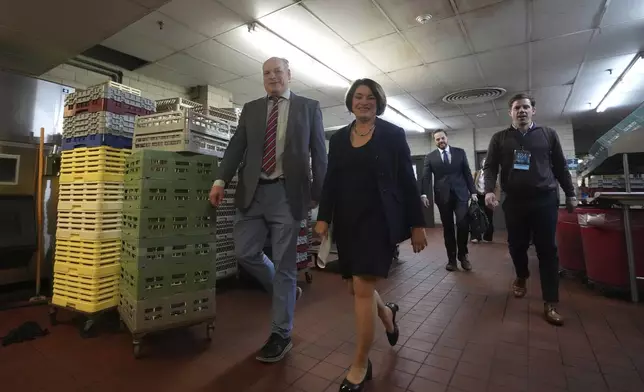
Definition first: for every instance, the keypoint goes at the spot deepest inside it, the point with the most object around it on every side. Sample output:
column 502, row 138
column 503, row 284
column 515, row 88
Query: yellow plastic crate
column 93, row 164
column 75, row 235
column 86, row 294
column 91, row 196
column 89, row 221
column 88, row 253
column 93, row 153
column 94, row 272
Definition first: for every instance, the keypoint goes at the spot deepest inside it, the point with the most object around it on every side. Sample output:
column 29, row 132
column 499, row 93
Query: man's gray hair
column 284, row 61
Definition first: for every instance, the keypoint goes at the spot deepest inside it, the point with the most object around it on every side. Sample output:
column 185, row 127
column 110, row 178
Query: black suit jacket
column 453, row 177
column 396, row 181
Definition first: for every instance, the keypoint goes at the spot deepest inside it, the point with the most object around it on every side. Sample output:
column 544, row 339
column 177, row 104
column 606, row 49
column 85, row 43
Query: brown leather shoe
column 551, row 315
column 465, row 263
column 519, row 287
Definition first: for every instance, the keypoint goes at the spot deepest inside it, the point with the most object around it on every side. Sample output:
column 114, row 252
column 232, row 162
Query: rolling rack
column 620, row 151
column 97, row 135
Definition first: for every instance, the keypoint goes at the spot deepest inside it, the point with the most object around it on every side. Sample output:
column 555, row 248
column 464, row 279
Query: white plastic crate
column 85, row 124
column 176, row 104
column 114, row 91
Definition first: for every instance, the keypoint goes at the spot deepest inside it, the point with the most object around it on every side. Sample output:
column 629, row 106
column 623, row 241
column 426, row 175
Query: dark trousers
column 455, row 245
column 489, row 213
column 535, row 218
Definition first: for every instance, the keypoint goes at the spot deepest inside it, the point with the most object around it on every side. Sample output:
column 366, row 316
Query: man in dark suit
column 453, row 188
column 278, row 144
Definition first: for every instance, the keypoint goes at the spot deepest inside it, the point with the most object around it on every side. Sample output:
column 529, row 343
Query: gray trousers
column 270, row 213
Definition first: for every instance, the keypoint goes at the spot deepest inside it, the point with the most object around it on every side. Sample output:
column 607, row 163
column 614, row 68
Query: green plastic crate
column 176, row 249
column 166, row 195
column 170, row 166
column 164, row 279
column 174, row 311
column 149, row 223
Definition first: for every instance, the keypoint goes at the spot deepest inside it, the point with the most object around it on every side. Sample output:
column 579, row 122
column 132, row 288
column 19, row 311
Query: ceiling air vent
column 474, row 95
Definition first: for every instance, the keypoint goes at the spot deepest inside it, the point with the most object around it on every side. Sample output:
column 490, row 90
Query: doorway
column 418, row 163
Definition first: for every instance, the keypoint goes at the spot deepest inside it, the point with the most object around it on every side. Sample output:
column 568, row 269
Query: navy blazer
column 455, row 176
column 396, row 181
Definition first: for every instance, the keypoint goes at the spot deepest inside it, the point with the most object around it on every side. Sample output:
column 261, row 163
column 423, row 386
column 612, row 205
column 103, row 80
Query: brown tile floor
column 460, row 332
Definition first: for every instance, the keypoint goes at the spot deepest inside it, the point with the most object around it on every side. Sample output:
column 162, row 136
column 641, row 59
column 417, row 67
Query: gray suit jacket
column 304, row 147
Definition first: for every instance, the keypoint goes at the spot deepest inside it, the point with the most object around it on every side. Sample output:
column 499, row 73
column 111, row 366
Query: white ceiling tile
column 458, row 73
column 390, row 87
column 402, row 102
column 301, row 28
column 173, row 34
column 486, row 119
column 404, row 12
column 469, row 5
column 242, row 41
column 325, row 100
column 430, row 95
column 440, row 40
column 499, row 25
column 415, row 78
column 441, row 109
column 586, row 96
column 561, row 52
column 355, row 20
column 457, row 122
column 550, row 101
column 555, row 77
column 128, row 42
column 334, row 92
column 510, row 60
column 204, row 16
column 168, row 75
column 223, row 57
column 620, row 11
column 598, row 70
column 552, row 18
column 244, row 86
column 206, row 73
column 617, row 40
column 479, row 108
column 398, row 54
column 510, row 82
column 423, row 117
column 255, row 9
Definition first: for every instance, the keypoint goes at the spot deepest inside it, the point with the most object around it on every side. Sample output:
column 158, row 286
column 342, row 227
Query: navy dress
column 360, row 227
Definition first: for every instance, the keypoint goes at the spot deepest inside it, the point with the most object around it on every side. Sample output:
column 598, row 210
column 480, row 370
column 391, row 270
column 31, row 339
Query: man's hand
column 321, row 229
column 216, row 195
column 425, row 200
column 490, row 200
column 418, row 239
column 571, row 204
column 475, row 198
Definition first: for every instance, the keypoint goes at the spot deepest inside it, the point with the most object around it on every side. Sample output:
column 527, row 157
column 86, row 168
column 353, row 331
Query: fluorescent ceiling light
column 275, row 46
column 630, row 80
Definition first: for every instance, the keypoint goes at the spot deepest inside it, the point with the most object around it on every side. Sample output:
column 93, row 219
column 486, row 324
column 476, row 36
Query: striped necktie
column 270, row 140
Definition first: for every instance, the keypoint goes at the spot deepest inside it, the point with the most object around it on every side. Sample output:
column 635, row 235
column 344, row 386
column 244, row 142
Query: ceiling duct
column 474, row 96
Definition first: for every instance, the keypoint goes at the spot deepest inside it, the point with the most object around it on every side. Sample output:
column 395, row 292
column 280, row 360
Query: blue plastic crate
column 101, row 139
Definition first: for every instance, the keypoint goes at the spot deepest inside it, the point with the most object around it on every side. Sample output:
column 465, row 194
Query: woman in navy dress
column 371, row 197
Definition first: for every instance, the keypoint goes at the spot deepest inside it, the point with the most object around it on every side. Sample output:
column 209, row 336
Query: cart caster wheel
column 87, row 331
column 53, row 320
column 210, row 328
column 309, row 277
column 122, row 326
column 136, row 350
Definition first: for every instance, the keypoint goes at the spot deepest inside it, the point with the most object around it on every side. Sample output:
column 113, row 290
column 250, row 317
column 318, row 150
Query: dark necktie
column 270, row 140
column 445, row 157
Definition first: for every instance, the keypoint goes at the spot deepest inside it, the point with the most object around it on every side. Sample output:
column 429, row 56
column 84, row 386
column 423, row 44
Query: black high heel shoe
column 348, row 386
column 392, row 337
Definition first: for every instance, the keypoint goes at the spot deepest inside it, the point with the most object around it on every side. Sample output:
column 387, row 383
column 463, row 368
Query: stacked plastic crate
column 167, row 266
column 97, row 131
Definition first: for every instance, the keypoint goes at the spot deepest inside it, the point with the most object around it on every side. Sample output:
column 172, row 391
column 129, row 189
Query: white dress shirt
column 282, row 122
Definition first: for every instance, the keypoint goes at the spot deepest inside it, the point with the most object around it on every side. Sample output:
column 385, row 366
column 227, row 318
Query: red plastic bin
column 569, row 244
column 605, row 248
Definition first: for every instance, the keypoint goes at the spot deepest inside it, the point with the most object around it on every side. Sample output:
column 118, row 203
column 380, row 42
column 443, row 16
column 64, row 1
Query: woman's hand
column 321, row 229
column 418, row 239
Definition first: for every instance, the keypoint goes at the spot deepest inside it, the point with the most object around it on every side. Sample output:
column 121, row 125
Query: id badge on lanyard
column 521, row 159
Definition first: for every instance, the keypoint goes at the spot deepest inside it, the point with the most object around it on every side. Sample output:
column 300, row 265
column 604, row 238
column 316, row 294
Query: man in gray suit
column 279, row 139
